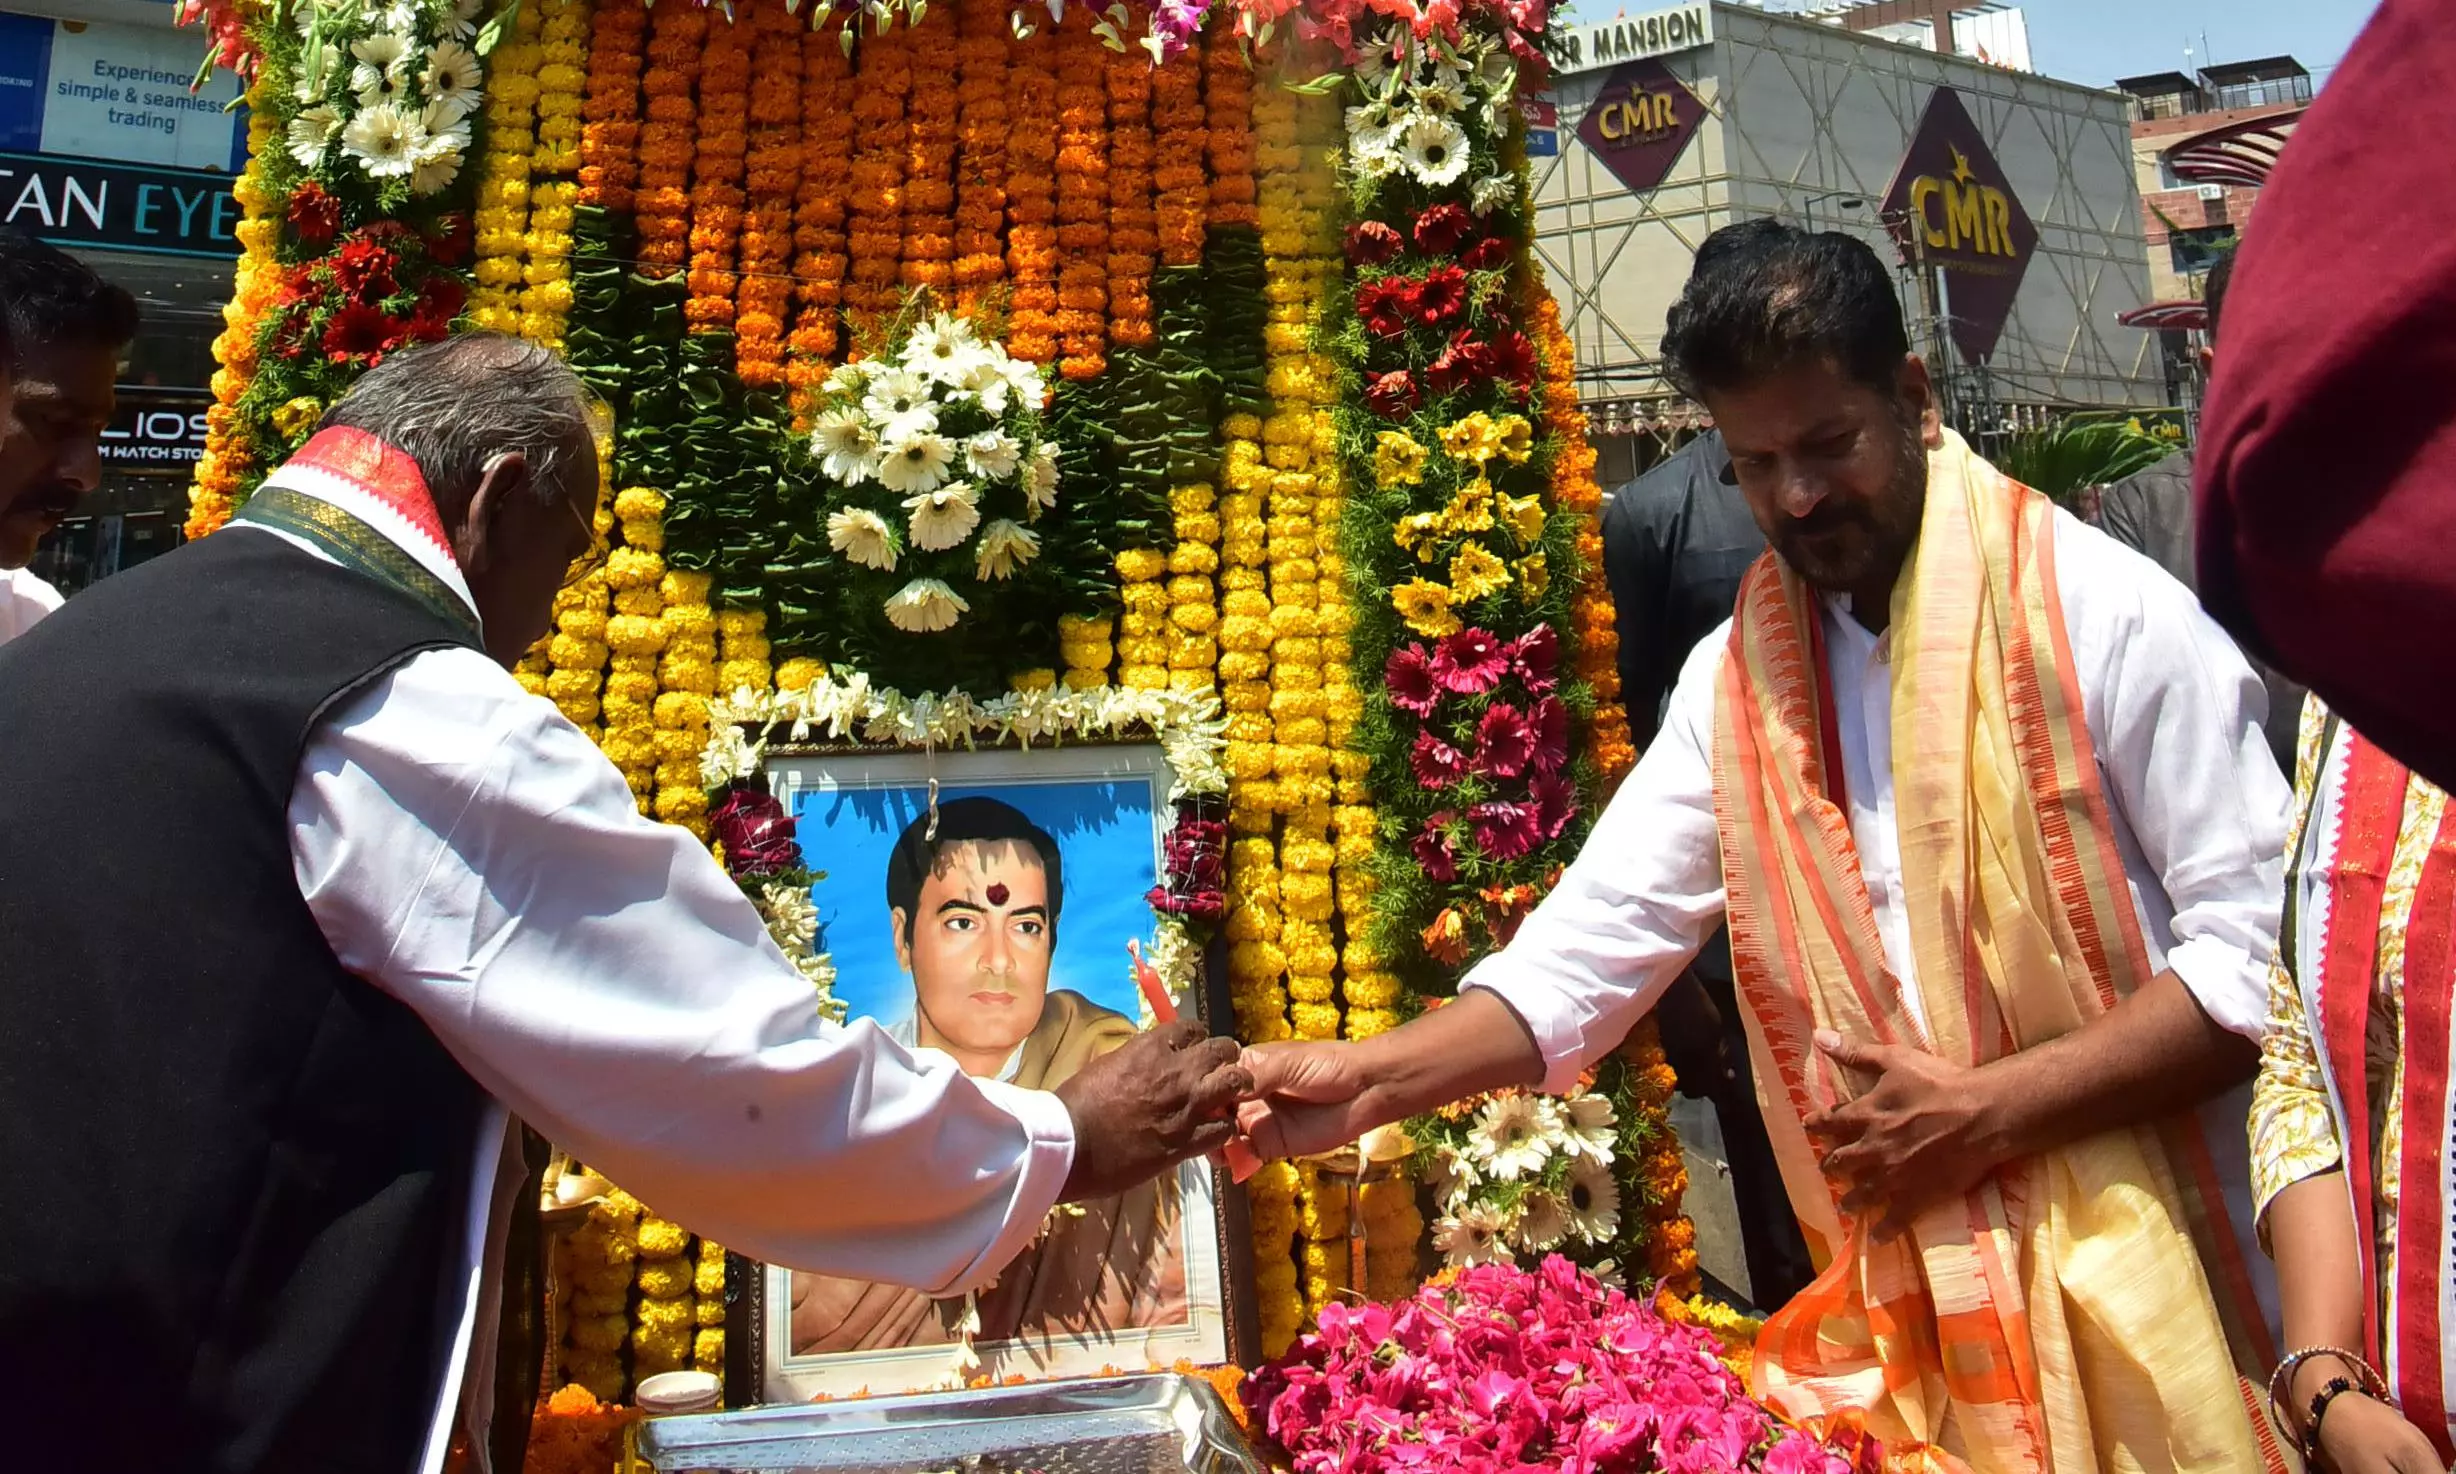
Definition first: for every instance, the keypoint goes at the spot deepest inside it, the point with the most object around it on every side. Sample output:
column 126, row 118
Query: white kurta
column 24, row 599
column 468, row 850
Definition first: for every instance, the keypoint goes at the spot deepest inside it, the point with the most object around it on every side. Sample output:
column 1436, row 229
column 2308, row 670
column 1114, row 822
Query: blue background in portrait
column 1106, row 836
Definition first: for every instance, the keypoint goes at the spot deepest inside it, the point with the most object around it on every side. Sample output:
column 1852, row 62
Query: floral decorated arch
column 974, row 365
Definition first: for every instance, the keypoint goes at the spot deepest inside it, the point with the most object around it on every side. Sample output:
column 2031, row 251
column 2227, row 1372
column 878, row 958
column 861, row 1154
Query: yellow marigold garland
column 1193, row 603
column 502, row 217
column 545, row 271
column 1084, row 644
column 687, row 676
column 594, row 1268
column 1142, row 647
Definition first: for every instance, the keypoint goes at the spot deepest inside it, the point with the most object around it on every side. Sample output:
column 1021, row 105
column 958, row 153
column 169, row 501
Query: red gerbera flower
column 453, row 237
column 1370, row 243
column 1409, row 675
column 1504, row 740
column 1440, row 296
column 314, row 215
column 1393, row 395
column 1556, row 802
column 1489, row 254
column 1537, row 655
column 1432, row 850
column 1437, row 763
column 1513, row 358
column 1465, row 362
column 1384, row 305
column 1441, row 228
column 363, row 271
column 1505, row 831
column 359, row 331
column 1470, row 662
column 1551, row 720
column 439, row 301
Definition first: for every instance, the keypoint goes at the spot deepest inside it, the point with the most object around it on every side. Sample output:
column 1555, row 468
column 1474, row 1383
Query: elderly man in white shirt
column 1968, row 1064
column 341, row 897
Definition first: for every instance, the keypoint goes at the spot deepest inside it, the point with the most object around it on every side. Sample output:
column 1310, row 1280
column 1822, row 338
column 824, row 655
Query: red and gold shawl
column 2059, row 1316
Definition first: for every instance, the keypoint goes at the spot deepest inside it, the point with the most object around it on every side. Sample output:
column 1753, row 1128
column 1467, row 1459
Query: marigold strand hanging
column 717, row 196
column 929, row 158
column 877, row 198
column 819, row 252
column 1031, row 193
column 773, row 167
column 1082, row 198
column 981, row 128
column 663, row 204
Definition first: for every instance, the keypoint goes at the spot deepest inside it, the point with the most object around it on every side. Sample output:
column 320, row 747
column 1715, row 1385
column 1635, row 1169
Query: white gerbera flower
column 463, row 25
column 915, row 463
column 1434, row 150
column 1374, row 67
column 1374, row 167
column 311, row 133
column 864, row 537
column 899, row 400
column 943, row 516
column 1542, row 1223
column 1511, row 1138
column 846, row 444
column 1373, row 128
column 993, row 454
column 303, row 15
column 438, row 162
column 925, row 606
column 446, row 123
column 985, row 380
column 1025, row 378
column 384, row 140
column 1497, row 72
column 1005, row 547
column 1444, row 97
column 1493, row 192
column 1591, row 1130
column 384, row 67
column 452, row 72
column 1040, row 479
column 1607, row 1274
column 392, row 15
column 1454, row 1178
column 944, row 349
column 320, row 74
column 1472, row 1237
column 848, row 378
column 1593, row 1199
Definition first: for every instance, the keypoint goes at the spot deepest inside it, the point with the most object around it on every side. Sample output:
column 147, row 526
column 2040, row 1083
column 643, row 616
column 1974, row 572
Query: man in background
column 2151, row 511
column 974, row 893
column 1676, row 543
column 67, row 330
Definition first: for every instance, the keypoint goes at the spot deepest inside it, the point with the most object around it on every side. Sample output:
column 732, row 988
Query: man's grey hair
column 459, row 405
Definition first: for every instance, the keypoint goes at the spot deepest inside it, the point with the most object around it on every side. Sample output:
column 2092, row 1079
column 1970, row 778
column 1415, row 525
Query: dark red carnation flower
column 1504, row 741
column 1505, row 831
column 1393, row 395
column 1384, row 305
column 1409, row 675
column 315, row 216
column 439, row 301
column 1469, row 662
column 1441, row 228
column 1537, row 655
column 363, row 270
column 1440, row 296
column 1437, row 764
column 1489, row 254
column 1371, row 242
column 1551, row 719
column 361, row 332
column 1513, row 359
column 454, row 236
column 1433, row 851
column 1465, row 362
column 1556, row 802
column 756, row 832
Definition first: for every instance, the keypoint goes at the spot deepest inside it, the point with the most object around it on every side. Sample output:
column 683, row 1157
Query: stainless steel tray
column 1161, row 1424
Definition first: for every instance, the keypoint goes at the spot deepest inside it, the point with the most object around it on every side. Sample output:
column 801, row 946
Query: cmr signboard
column 1951, row 206
column 1632, row 37
column 1640, row 121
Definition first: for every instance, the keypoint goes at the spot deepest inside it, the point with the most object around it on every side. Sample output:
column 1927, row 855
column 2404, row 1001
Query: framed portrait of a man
column 979, row 904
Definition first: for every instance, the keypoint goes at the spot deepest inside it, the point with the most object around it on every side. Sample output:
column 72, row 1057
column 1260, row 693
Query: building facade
column 2008, row 199
column 105, row 152
column 2187, row 222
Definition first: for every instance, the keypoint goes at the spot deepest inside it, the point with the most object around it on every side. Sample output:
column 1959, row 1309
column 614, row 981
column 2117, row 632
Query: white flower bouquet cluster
column 1427, row 104
column 389, row 88
column 935, row 468
column 1518, row 1173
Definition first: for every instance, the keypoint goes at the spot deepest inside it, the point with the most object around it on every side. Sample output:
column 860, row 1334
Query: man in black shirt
column 1675, row 544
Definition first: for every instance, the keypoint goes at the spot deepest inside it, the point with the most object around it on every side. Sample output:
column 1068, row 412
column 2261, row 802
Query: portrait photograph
column 992, row 927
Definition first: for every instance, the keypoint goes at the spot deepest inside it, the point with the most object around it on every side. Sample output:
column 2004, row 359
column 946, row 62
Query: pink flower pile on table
column 1513, row 1371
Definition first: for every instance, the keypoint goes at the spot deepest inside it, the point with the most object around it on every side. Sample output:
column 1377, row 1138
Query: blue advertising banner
column 121, row 207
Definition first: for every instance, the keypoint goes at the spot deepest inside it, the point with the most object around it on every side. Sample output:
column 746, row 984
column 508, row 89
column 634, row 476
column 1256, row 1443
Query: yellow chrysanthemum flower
column 1398, row 460
column 1524, row 516
column 1517, row 439
column 1475, row 572
column 1534, row 576
column 1475, row 439
column 1425, row 606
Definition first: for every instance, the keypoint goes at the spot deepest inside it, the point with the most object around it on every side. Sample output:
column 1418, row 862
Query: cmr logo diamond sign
column 1951, row 205
column 1640, row 122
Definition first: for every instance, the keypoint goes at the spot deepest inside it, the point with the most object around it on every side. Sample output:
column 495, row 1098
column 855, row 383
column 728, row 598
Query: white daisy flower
column 944, row 349
column 1593, row 1200
column 1024, row 380
column 320, row 74
column 986, row 382
column 1374, row 68
column 1040, row 479
column 1591, row 1130
column 438, row 163
column 899, row 400
column 447, row 122
column 385, row 62
column 1473, row 1236
column 943, row 516
column 392, row 15
column 311, row 133
column 993, row 454
column 925, row 606
column 1497, row 72
column 1374, row 167
column 848, row 378
column 384, row 140
column 1373, row 128
column 1454, row 1178
column 453, row 73
column 1442, row 98
column 846, row 444
column 1493, row 192
column 1542, row 1223
column 862, row 536
column 1005, row 547
column 303, row 15
column 463, row 25
column 1510, row 1140
column 1434, row 150
column 915, row 463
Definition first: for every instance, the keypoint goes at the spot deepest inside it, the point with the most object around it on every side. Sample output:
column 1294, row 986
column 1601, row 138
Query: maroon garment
column 2327, row 461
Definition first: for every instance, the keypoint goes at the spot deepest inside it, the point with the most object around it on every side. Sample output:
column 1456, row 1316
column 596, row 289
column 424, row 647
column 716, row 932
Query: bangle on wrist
column 2281, row 1384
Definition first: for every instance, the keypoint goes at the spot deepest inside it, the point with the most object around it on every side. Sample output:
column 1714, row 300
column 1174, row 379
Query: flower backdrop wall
column 1052, row 360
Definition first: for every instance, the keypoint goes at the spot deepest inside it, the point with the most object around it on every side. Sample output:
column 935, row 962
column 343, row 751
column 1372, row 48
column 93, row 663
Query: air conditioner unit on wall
column 2212, row 193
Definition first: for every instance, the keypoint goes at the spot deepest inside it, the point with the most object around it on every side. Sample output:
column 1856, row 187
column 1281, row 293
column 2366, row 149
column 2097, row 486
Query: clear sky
column 2096, row 41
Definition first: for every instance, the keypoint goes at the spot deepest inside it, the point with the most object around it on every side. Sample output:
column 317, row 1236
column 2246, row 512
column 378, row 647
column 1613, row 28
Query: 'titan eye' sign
column 1950, row 204
column 1640, row 122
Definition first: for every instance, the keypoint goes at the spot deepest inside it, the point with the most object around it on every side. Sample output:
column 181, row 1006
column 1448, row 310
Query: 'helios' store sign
column 1951, row 205
column 129, row 207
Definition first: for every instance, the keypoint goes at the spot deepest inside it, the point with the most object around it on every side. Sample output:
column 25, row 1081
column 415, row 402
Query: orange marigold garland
column 1082, row 198
column 819, row 259
column 981, row 128
column 1179, row 130
column 663, row 205
column 1031, row 198
column 219, row 471
column 773, row 168
column 610, row 132
column 1574, row 490
column 1671, row 1239
column 929, row 155
column 1227, row 84
column 1134, row 241
column 717, row 196
column 877, row 229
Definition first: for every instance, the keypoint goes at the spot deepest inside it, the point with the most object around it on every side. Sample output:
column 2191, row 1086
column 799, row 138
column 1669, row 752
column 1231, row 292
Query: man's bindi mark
column 997, row 894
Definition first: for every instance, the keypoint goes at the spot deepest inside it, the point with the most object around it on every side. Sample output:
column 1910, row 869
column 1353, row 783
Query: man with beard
column 67, row 328
column 1985, row 801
